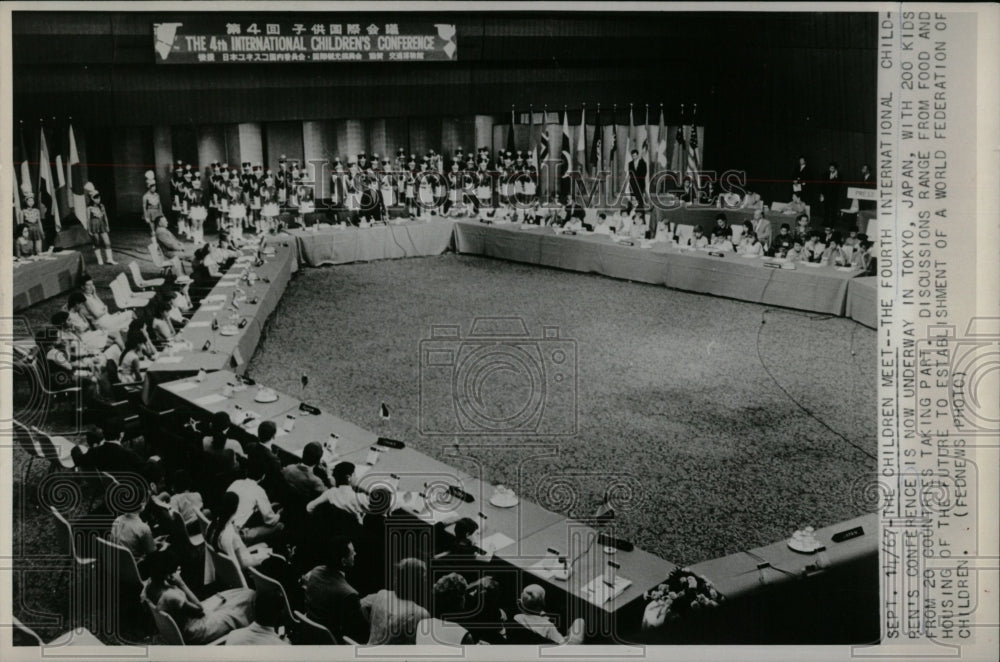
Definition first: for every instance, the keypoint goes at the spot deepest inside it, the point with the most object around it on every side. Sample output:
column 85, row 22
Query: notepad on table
column 181, row 386
column 209, row 399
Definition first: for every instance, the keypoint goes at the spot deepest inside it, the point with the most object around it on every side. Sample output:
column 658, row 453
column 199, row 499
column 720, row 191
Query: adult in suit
column 866, row 181
column 329, row 598
column 102, row 451
column 637, row 178
column 802, row 181
column 831, row 195
column 762, row 227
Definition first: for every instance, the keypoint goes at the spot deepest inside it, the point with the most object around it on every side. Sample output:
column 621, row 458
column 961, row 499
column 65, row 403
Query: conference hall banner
column 306, row 39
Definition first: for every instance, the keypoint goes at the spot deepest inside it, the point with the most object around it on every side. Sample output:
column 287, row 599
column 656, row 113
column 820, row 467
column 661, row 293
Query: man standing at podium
column 637, row 178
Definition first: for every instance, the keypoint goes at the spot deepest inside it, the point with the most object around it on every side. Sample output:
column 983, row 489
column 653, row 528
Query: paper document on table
column 215, row 297
column 210, row 399
column 598, row 591
column 177, row 387
column 496, row 542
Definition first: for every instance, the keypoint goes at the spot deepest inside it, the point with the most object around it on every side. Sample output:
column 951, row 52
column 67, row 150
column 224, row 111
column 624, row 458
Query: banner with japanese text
column 377, row 39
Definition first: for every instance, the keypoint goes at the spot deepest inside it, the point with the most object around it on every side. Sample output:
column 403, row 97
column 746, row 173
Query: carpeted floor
column 717, row 425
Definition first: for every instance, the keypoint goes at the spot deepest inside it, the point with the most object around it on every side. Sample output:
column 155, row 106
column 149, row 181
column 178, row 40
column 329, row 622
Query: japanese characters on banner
column 376, row 40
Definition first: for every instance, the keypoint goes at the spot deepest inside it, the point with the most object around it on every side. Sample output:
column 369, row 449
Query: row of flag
column 59, row 181
column 651, row 141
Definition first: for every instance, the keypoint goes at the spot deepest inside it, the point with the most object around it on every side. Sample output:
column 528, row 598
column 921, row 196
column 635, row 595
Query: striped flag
column 581, row 143
column 596, row 157
column 659, row 161
column 62, row 192
column 694, row 154
column 511, row 147
column 75, row 178
column 543, row 141
column 680, row 152
column 645, row 152
column 46, row 185
column 533, row 140
column 629, row 139
column 613, row 156
column 16, row 198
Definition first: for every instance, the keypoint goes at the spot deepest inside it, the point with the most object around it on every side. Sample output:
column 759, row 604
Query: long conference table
column 816, row 288
column 232, row 347
column 44, row 276
column 862, row 304
column 338, row 244
column 518, row 536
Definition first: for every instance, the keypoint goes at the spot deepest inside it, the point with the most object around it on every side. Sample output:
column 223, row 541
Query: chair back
column 35, row 639
column 47, row 446
column 64, row 531
column 684, row 232
column 121, row 296
column 155, row 255
column 267, row 585
column 118, row 562
column 26, row 441
column 309, row 632
column 227, row 569
column 165, row 624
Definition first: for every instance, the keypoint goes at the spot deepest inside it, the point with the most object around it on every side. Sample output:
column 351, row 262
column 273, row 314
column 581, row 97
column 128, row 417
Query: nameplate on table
column 168, row 359
column 210, row 399
column 178, row 387
column 495, row 542
column 599, row 591
column 199, row 324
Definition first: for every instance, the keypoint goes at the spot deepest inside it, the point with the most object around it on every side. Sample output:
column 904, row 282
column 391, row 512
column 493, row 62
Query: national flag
column 25, row 167
column 75, row 178
column 46, row 186
column 62, row 193
column 596, row 158
column 567, row 156
column 511, row 147
column 16, row 198
column 613, row 156
column 630, row 138
column 659, row 161
column 645, row 152
column 543, row 141
column 694, row 154
column 533, row 140
column 581, row 143
column 680, row 152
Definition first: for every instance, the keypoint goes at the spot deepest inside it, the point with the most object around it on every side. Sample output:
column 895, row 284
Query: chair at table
column 64, row 531
column 75, row 637
column 190, row 547
column 167, row 627
column 46, row 384
column 124, row 297
column 167, row 266
column 228, row 573
column 140, row 282
column 55, row 449
column 120, row 577
column 684, row 232
column 26, row 442
column 266, row 585
column 308, row 632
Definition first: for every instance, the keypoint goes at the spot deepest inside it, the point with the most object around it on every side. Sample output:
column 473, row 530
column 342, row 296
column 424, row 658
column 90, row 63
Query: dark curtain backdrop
column 768, row 86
